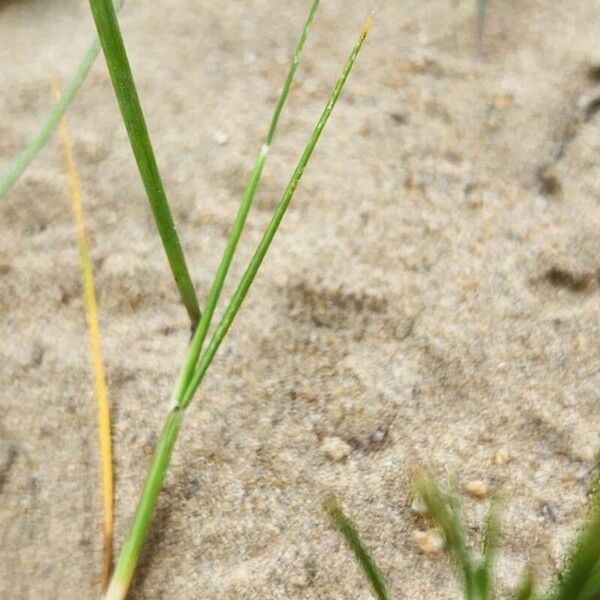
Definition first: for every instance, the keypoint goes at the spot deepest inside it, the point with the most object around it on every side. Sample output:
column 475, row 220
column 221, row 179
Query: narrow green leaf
column 445, row 511
column 240, row 220
column 109, row 32
column 582, row 563
column 591, row 590
column 524, row 590
column 263, row 246
column 22, row 161
column 485, row 570
column 346, row 527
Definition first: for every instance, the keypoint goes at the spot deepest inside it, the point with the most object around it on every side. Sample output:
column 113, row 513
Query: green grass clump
column 198, row 360
column 579, row 579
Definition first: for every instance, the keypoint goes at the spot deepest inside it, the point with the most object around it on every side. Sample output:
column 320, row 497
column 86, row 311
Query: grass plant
column 197, row 362
column 91, row 306
column 109, row 32
column 23, row 160
column 579, row 578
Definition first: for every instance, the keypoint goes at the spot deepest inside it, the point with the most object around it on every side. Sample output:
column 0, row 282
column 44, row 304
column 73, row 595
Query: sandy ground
column 432, row 297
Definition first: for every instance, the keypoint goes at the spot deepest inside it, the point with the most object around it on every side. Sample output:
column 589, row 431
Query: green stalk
column 131, row 549
column 109, row 32
column 346, row 527
column 240, row 219
column 16, row 169
column 156, row 475
column 263, row 246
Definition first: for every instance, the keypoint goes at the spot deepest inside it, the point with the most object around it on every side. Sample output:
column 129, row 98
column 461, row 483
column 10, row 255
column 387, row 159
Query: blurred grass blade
column 129, row 554
column 346, row 527
column 248, row 277
column 94, row 340
column 109, row 32
column 591, row 591
column 485, row 570
column 582, row 564
column 524, row 590
column 22, row 161
column 445, row 511
column 240, row 220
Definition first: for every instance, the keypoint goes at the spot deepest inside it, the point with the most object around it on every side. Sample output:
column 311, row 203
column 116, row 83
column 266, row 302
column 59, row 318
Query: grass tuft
column 91, row 306
column 184, row 393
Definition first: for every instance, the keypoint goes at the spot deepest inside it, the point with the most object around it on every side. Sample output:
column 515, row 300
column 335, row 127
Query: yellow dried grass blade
column 94, row 339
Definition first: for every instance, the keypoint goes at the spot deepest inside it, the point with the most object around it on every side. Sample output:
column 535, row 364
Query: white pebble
column 418, row 506
column 430, row 541
column 335, row 448
column 502, row 457
column 220, row 137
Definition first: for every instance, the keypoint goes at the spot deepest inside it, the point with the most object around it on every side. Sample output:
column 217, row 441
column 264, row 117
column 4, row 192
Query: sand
column 431, row 299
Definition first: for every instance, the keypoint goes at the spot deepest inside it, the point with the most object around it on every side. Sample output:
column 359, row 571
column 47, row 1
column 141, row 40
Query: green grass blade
column 240, row 220
column 525, row 590
column 263, row 246
column 109, row 32
column 130, row 552
column 22, row 161
column 583, row 562
column 591, row 591
column 485, row 570
column 117, row 590
column 445, row 511
column 346, row 527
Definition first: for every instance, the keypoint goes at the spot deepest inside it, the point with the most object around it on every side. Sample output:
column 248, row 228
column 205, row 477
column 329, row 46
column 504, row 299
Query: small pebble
column 220, row 137
column 430, row 541
column 477, row 488
column 585, row 454
column 418, row 506
column 335, row 448
column 502, row 457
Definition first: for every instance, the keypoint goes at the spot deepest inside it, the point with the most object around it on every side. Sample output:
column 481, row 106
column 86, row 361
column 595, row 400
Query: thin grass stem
column 248, row 277
column 240, row 219
column 130, row 552
column 365, row 560
column 22, row 161
column 111, row 39
column 89, row 289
